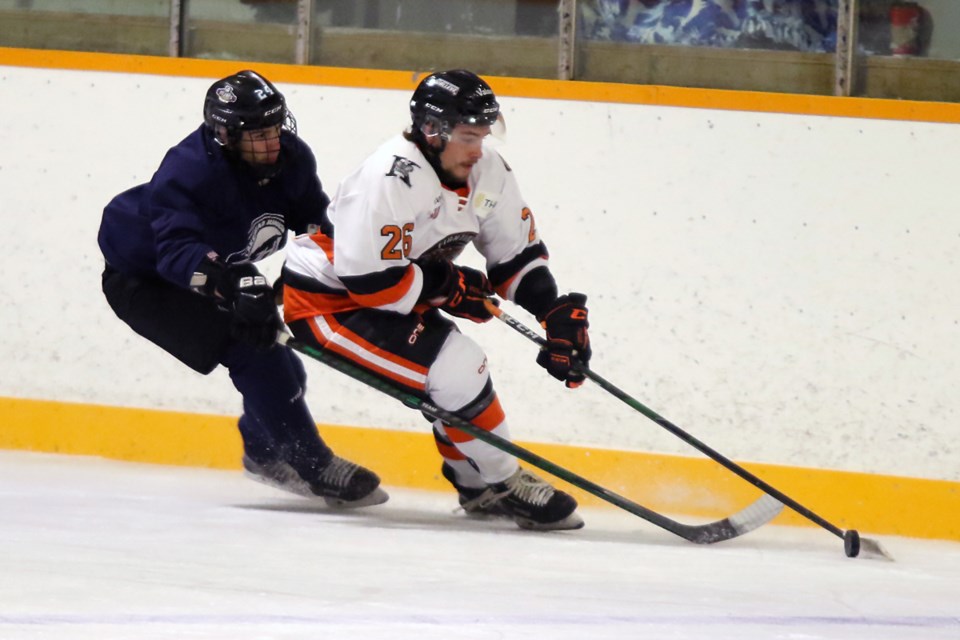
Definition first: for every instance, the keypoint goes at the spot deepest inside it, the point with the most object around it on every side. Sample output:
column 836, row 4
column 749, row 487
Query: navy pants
column 276, row 423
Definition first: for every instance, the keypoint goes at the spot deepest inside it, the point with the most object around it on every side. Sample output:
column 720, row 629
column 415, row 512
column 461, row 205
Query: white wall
column 783, row 287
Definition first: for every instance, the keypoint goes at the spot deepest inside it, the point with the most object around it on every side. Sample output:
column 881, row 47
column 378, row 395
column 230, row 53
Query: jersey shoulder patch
column 402, row 168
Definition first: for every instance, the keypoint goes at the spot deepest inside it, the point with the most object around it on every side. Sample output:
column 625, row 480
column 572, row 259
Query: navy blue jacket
column 201, row 200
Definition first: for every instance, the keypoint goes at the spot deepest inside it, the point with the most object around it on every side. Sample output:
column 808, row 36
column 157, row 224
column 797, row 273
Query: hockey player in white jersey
column 371, row 284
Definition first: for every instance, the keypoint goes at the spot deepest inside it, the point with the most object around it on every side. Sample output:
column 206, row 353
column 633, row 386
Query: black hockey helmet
column 451, row 98
column 244, row 101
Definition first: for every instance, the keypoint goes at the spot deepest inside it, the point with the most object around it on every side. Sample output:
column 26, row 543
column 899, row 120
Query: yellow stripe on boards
column 520, row 87
column 692, row 486
column 196, row 68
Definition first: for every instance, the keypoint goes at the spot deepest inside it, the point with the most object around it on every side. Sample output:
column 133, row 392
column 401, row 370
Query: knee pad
column 459, row 374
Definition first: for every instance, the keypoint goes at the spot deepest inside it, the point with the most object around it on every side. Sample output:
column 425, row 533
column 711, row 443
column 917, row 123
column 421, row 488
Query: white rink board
column 778, row 304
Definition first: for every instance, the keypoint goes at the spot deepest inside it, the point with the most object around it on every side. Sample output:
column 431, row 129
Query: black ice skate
column 277, row 474
column 474, row 501
column 346, row 484
column 340, row 483
column 532, row 503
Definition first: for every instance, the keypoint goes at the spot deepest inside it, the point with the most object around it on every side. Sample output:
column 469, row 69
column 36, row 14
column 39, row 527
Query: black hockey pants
column 276, row 422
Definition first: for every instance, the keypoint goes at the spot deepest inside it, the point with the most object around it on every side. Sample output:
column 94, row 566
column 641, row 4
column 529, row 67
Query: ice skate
column 346, row 484
column 341, row 483
column 532, row 503
column 277, row 474
column 472, row 499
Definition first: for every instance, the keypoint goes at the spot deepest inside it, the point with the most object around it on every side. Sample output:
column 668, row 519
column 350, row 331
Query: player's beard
column 447, row 178
column 261, row 172
column 268, row 171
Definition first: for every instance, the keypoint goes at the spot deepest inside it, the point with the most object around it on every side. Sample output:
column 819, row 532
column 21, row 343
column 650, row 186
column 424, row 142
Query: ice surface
column 96, row 549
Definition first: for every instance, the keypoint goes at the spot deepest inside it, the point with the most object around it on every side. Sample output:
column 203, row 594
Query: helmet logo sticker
column 226, row 94
column 445, row 85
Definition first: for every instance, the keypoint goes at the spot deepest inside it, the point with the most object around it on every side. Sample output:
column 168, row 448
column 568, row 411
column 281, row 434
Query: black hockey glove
column 460, row 291
column 255, row 318
column 567, row 341
column 467, row 297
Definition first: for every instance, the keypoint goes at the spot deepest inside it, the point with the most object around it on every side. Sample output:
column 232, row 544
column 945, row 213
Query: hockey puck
column 851, row 543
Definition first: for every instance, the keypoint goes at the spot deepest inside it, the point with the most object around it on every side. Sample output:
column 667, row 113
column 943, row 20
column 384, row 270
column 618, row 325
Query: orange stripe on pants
column 449, row 452
column 488, row 420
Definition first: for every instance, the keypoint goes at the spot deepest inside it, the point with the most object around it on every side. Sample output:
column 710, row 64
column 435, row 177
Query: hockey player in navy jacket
column 180, row 253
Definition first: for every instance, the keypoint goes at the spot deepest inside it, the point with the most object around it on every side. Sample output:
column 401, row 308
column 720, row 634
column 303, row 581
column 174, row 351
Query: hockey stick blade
column 755, row 515
column 854, row 545
column 873, row 550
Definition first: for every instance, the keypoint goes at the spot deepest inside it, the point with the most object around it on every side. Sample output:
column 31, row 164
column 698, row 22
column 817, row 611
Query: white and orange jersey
column 394, row 210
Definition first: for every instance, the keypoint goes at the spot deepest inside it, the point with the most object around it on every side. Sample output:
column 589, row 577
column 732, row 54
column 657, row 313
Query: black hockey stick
column 853, row 543
column 753, row 516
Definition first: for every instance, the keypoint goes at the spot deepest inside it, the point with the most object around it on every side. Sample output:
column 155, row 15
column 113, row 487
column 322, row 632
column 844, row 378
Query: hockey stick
column 853, row 543
column 753, row 516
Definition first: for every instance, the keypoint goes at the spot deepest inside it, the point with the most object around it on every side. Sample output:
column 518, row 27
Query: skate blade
column 375, row 497
column 487, row 513
column 296, row 487
column 572, row 521
column 484, row 515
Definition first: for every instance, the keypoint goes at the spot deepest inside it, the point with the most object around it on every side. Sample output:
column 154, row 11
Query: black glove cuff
column 536, row 292
column 438, row 279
